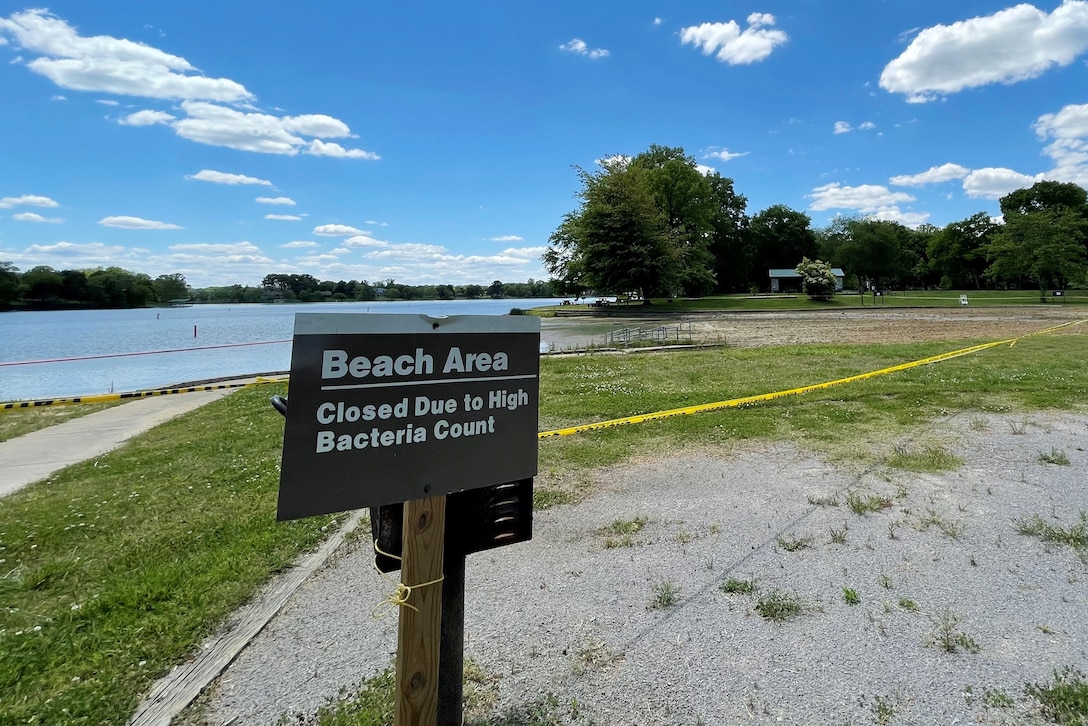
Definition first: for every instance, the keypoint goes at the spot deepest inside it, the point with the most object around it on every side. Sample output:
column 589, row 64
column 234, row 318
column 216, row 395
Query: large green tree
column 1045, row 247
column 780, row 238
column 874, row 251
column 685, row 199
column 957, row 253
column 9, row 283
column 617, row 241
column 171, row 287
column 730, row 243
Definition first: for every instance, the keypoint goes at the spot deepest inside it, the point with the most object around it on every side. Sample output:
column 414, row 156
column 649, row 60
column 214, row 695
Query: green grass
column 1065, row 699
column 948, row 637
column 738, row 587
column 621, row 533
column 779, row 606
column 1054, row 456
column 1075, row 536
column 925, row 459
column 126, row 566
column 663, row 594
column 19, row 421
column 862, row 504
column 115, row 570
column 843, row 422
column 850, row 596
column 789, row 543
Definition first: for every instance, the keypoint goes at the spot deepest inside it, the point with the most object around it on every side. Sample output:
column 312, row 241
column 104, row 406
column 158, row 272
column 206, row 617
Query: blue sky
column 433, row 142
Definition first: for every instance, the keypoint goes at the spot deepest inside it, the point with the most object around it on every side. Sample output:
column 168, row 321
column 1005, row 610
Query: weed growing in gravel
column 621, row 533
column 823, row 501
column 885, row 582
column 738, row 587
column 996, row 698
column 884, row 709
column 779, row 606
column 907, row 604
column 1065, row 700
column 979, row 424
column 664, row 594
column 548, row 498
column 793, row 544
column 372, row 705
column 950, row 529
column 864, row 503
column 1076, row 536
column 948, row 637
column 592, row 654
column 850, row 596
column 838, row 536
column 1054, row 456
column 684, row 537
column 1019, row 428
column 930, row 458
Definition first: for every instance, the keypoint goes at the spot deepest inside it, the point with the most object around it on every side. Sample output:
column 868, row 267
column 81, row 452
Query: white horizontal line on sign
column 356, row 386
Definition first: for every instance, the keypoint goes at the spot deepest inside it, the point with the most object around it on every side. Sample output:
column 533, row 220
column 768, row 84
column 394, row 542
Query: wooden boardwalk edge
column 175, row 691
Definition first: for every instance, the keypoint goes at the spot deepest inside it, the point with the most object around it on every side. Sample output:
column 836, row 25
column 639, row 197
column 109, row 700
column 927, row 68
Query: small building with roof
column 786, row 280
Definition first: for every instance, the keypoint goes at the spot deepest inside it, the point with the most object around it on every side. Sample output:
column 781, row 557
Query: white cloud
column 377, row 224
column 107, row 102
column 362, row 240
column 58, row 98
column 339, row 251
column 507, row 238
column 705, row 170
column 1067, row 130
column 867, row 126
column 733, row 45
column 579, row 47
column 337, row 230
column 299, row 244
column 933, row 175
column 1011, row 45
column 123, row 67
column 27, row 200
column 658, row 21
column 69, row 255
column 284, row 217
column 842, row 127
column 336, row 151
column 221, row 177
column 907, row 219
column 111, row 65
column 994, row 183
column 123, row 222
column 287, row 201
column 723, row 154
column 146, row 118
column 215, row 125
column 864, row 198
column 32, row 217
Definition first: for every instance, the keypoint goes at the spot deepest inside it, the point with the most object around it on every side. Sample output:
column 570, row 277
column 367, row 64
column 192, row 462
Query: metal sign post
column 401, row 410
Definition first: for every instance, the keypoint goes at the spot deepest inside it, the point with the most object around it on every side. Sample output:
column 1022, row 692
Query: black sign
column 388, row 408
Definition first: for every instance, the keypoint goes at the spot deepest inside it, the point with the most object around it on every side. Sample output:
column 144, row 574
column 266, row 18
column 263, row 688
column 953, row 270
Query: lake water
column 48, row 335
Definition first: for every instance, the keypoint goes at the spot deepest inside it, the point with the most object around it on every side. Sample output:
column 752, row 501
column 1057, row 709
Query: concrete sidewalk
column 36, row 455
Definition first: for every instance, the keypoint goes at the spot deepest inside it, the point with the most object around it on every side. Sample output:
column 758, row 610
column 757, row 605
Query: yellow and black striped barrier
column 759, row 398
column 107, row 397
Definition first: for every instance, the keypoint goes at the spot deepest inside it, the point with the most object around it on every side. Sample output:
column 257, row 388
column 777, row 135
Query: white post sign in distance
column 390, row 408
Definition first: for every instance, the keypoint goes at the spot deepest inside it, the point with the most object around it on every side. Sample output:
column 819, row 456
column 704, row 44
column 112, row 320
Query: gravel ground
column 566, row 615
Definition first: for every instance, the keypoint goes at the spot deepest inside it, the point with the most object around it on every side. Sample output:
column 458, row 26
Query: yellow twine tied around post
column 400, row 595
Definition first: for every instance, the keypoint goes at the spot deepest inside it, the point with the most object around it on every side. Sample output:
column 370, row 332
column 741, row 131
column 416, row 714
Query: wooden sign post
column 391, row 409
column 419, row 634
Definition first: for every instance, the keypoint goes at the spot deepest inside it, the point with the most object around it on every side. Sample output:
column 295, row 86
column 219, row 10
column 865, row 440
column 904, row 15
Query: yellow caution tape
column 107, row 397
column 736, row 402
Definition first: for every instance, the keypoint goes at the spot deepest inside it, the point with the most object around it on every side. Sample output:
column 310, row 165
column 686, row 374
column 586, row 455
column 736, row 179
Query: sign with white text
column 389, row 408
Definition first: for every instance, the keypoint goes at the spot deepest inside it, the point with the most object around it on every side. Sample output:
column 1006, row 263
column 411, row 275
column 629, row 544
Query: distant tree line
column 43, row 287
column 655, row 225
